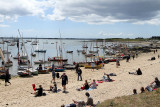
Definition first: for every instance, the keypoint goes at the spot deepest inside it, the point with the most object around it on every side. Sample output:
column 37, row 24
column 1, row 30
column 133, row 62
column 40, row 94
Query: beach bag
column 57, row 75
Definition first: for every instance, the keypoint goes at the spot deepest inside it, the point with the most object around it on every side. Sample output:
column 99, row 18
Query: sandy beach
column 18, row 94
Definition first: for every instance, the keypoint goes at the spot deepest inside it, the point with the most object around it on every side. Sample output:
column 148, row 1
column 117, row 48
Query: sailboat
column 25, row 72
column 60, row 68
column 8, row 63
column 40, row 50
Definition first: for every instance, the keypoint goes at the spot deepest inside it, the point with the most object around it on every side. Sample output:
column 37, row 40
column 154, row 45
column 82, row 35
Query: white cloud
column 2, row 25
column 107, row 11
column 88, row 11
column 12, row 9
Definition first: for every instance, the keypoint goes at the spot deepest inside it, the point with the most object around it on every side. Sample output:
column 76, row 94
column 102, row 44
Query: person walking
column 79, row 72
column 7, row 77
column 64, row 81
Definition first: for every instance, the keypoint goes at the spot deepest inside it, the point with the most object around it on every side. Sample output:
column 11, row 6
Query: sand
column 18, row 94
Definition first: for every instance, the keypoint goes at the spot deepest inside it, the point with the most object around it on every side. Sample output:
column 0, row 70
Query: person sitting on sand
column 53, row 88
column 93, row 85
column 40, row 91
column 107, row 78
column 85, row 86
column 142, row 90
column 149, row 88
column 138, row 72
column 82, row 103
column 134, row 91
column 156, row 83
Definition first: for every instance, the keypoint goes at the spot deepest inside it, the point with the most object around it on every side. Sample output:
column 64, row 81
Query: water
column 70, row 45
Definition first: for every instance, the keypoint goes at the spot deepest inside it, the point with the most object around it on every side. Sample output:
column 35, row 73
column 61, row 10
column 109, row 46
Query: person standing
column 53, row 76
column 64, row 81
column 7, row 77
column 77, row 66
column 93, row 65
column 79, row 72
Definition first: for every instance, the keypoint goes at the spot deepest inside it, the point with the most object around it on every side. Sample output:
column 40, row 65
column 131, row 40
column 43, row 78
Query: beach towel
column 34, row 87
column 99, row 81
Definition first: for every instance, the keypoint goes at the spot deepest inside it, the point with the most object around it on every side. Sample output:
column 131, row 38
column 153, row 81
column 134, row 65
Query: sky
column 80, row 18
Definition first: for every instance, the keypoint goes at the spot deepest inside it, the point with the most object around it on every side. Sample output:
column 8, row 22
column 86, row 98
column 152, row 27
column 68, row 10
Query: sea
column 53, row 47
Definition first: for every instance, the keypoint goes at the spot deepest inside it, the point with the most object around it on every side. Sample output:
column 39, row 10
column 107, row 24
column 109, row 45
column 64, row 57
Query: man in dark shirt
column 40, row 91
column 79, row 72
column 64, row 81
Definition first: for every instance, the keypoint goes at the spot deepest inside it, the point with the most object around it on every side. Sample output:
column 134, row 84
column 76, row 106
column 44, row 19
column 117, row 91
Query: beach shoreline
column 19, row 92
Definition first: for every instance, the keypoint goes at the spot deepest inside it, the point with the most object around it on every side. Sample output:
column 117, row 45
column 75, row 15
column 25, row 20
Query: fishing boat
column 89, row 66
column 69, row 66
column 20, row 67
column 57, row 59
column 69, row 51
column 20, row 57
column 59, row 69
column 80, row 50
column 42, row 71
column 40, row 50
column 40, row 62
column 23, row 73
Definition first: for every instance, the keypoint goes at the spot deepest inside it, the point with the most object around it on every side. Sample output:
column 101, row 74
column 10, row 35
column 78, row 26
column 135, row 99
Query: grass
column 148, row 99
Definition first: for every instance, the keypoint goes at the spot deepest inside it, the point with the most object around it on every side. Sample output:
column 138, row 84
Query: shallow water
column 52, row 51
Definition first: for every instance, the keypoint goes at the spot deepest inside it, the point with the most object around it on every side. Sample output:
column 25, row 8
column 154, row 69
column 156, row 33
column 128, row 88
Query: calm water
column 70, row 45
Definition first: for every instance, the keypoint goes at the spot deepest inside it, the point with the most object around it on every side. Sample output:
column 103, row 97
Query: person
column 53, row 88
column 79, row 72
column 85, row 104
column 77, row 66
column 133, row 56
column 157, row 83
column 93, row 85
column 93, row 65
column 85, row 86
column 7, row 77
column 97, row 63
column 40, row 66
column 64, row 81
column 142, row 90
column 53, row 75
column 134, row 91
column 117, row 63
column 107, row 78
column 89, row 100
column 138, row 72
column 127, row 59
column 40, row 91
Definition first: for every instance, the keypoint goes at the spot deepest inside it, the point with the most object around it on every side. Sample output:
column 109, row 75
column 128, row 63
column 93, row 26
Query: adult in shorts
column 64, row 81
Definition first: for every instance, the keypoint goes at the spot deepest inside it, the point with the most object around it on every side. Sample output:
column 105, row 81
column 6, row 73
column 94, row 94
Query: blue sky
column 80, row 18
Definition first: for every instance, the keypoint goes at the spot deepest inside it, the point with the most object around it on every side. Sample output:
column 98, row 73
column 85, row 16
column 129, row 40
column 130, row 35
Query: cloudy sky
column 80, row 18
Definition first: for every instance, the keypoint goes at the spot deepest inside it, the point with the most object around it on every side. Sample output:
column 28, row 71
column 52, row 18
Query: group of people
column 88, row 103
column 153, row 86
